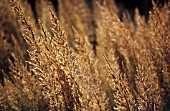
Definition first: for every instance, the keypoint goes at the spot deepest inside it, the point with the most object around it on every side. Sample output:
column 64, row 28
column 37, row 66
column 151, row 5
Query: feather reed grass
column 51, row 65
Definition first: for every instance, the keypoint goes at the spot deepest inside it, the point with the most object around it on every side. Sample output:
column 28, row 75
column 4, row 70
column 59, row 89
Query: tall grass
column 52, row 65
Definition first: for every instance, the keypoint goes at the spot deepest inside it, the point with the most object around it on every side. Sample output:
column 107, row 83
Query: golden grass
column 52, row 65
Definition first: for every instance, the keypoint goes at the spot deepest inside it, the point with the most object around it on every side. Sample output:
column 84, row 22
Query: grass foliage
column 50, row 65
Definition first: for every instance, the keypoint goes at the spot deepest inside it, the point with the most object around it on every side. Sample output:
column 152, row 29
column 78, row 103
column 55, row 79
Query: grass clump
column 130, row 70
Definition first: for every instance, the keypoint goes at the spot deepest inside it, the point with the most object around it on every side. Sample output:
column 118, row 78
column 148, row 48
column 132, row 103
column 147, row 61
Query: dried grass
column 130, row 71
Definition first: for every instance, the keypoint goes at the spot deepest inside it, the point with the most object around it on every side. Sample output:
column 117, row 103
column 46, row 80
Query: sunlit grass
column 52, row 66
